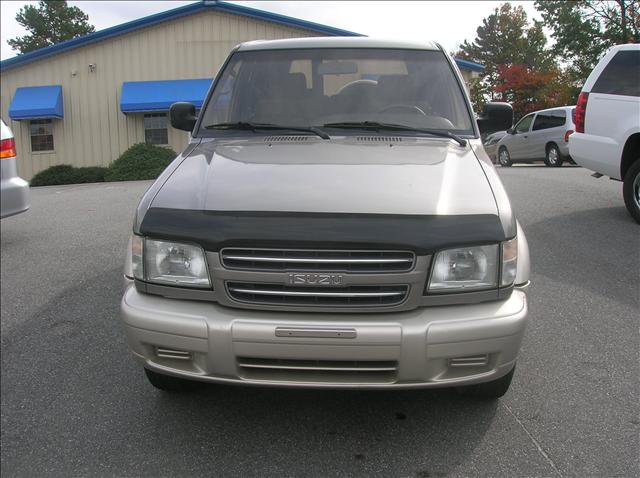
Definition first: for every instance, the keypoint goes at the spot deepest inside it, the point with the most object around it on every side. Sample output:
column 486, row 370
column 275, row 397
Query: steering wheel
column 355, row 85
column 399, row 106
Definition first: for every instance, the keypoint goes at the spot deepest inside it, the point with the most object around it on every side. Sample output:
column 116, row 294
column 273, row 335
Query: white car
column 607, row 137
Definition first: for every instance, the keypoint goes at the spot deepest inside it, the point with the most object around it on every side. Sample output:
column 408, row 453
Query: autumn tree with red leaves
column 529, row 90
column 519, row 67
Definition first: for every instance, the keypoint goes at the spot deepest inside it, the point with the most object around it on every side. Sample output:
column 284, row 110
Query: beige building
column 85, row 101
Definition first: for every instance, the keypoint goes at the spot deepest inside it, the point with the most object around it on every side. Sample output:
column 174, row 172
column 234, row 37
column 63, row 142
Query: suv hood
column 355, row 175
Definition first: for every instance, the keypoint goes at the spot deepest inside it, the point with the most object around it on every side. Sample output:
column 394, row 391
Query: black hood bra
column 214, row 230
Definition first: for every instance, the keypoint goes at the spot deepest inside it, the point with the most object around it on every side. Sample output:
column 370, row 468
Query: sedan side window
column 524, row 124
column 550, row 119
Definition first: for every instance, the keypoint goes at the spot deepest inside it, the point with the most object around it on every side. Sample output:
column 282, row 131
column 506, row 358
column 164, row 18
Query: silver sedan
column 14, row 191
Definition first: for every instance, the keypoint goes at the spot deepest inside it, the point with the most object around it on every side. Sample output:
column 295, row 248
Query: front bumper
column 425, row 347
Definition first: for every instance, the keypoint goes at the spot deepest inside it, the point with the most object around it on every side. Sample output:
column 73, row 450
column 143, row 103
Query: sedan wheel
column 503, row 158
column 553, row 158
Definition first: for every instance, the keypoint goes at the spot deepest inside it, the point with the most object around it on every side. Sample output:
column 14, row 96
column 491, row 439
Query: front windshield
column 316, row 87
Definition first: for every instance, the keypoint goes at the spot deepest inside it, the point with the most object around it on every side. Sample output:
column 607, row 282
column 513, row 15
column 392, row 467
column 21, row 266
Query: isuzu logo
column 316, row 279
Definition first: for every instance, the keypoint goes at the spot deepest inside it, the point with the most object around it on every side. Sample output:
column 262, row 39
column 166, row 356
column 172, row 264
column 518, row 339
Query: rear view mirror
column 496, row 117
column 338, row 68
column 183, row 116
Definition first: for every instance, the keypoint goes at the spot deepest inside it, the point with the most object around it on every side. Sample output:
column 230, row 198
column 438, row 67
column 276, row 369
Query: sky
column 448, row 23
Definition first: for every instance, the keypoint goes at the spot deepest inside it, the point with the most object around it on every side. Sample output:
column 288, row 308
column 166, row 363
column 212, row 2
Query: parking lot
column 74, row 403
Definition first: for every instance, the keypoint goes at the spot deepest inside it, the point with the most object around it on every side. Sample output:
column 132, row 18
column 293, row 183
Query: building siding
column 94, row 131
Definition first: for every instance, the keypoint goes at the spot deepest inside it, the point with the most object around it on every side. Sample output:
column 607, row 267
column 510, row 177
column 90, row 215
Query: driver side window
column 524, row 124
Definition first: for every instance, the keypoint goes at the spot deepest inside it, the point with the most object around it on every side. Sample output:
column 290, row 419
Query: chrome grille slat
column 278, row 294
column 364, row 371
column 313, row 294
column 278, row 260
column 319, row 260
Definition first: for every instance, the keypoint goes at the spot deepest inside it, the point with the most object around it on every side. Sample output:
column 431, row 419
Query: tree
column 51, row 22
column 584, row 30
column 529, row 90
column 505, row 38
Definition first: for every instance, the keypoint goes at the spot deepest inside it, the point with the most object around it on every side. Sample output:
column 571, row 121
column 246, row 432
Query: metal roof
column 197, row 7
column 203, row 5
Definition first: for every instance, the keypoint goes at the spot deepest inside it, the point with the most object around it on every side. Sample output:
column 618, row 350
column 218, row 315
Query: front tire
column 504, row 158
column 168, row 383
column 489, row 390
column 631, row 190
column 553, row 158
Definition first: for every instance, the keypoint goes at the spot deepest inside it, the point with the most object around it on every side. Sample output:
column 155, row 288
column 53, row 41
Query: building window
column 41, row 135
column 155, row 128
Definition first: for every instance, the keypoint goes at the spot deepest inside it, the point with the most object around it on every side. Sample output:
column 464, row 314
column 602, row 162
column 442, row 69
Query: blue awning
column 36, row 102
column 143, row 96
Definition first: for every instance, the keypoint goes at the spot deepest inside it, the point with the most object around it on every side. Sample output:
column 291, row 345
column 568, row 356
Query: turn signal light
column 7, row 148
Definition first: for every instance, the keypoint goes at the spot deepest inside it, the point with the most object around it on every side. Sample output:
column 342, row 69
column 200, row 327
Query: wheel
column 504, row 158
column 631, row 190
column 553, row 158
column 489, row 390
column 169, row 383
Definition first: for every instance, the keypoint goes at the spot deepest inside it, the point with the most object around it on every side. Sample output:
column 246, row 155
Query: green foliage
column 51, row 22
column 519, row 67
column 584, row 30
column 505, row 38
column 66, row 174
column 140, row 161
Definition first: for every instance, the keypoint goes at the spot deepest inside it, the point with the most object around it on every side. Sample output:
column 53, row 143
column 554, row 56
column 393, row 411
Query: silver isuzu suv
column 333, row 222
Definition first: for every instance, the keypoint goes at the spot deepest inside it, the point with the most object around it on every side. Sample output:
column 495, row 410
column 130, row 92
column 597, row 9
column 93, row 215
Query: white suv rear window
column 621, row 76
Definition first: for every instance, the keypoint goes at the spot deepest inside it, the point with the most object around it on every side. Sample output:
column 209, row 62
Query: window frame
column 156, row 114
column 458, row 80
column 42, row 121
column 549, row 114
column 515, row 128
column 603, row 84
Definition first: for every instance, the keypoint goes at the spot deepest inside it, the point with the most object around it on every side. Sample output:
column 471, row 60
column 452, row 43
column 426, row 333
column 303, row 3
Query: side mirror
column 183, row 116
column 511, row 131
column 496, row 117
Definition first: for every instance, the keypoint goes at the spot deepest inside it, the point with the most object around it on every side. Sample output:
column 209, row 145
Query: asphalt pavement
column 74, row 403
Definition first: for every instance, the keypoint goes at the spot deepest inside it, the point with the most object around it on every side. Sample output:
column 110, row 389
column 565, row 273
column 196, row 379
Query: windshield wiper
column 376, row 126
column 245, row 125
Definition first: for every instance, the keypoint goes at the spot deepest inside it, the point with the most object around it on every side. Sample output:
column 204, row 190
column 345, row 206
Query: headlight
column 475, row 268
column 465, row 269
column 171, row 263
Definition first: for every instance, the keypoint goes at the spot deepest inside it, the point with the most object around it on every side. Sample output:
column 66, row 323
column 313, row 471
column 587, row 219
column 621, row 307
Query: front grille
column 275, row 260
column 351, row 296
column 360, row 371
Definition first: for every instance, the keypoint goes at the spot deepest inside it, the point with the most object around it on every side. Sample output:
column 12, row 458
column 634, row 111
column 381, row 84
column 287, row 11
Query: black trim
column 214, row 230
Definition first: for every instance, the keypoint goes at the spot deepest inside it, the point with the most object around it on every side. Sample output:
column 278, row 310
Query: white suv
column 607, row 138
